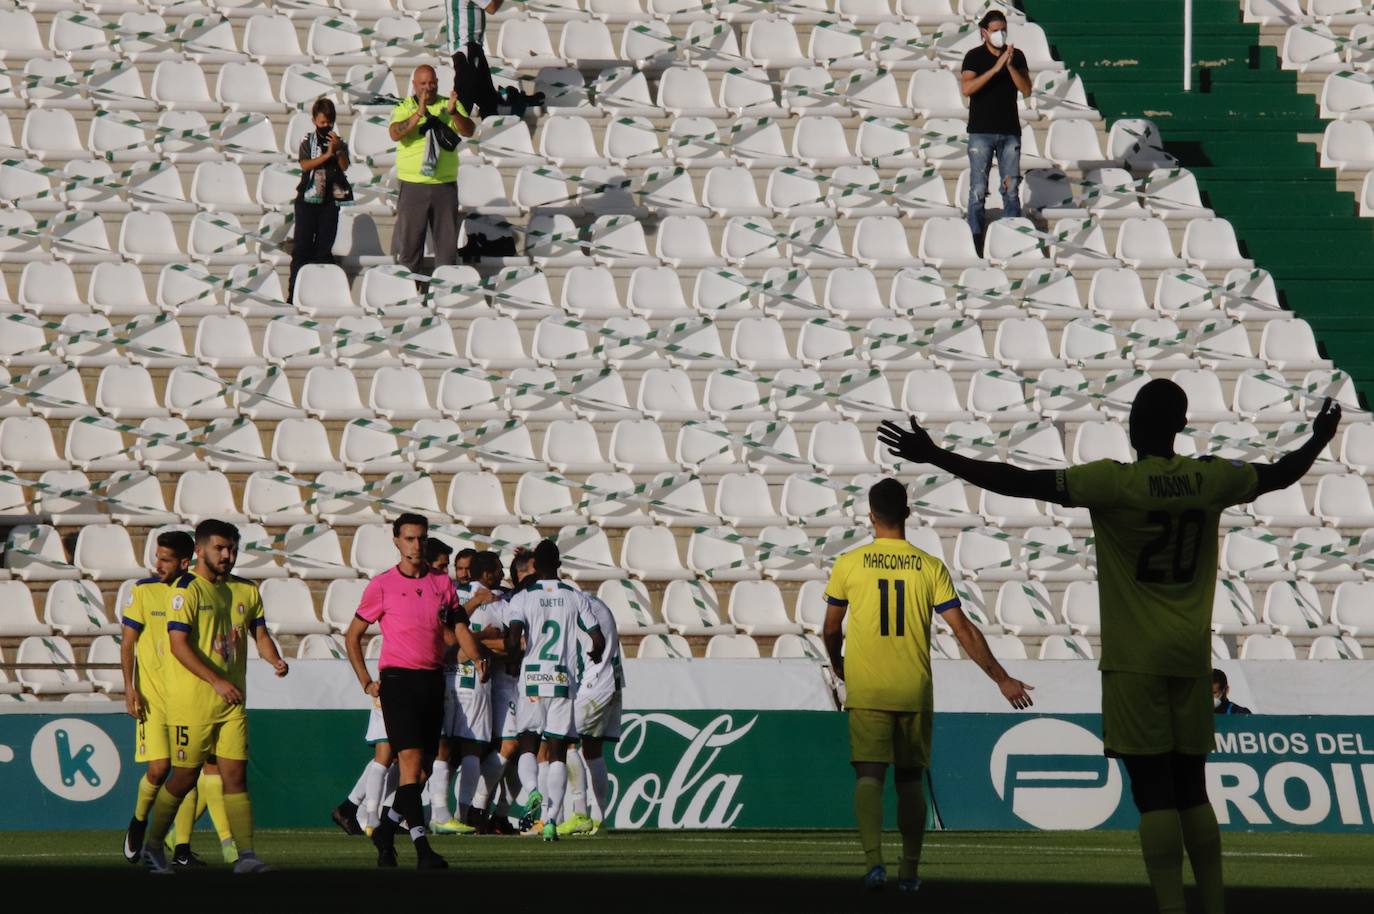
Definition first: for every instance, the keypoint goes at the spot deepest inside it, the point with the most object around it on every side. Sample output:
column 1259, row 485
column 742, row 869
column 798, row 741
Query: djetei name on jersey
column 1180, row 486
column 892, row 561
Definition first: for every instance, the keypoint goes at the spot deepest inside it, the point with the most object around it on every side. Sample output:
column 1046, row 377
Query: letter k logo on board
column 75, row 759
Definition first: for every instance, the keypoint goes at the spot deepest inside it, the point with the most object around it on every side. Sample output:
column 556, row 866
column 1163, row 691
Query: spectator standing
column 426, row 130
column 991, row 75
column 1221, row 696
column 323, row 188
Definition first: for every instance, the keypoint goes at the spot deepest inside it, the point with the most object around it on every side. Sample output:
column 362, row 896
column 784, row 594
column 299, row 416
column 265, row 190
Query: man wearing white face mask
column 991, row 75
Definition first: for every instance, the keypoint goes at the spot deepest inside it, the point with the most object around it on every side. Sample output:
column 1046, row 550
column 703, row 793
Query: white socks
column 438, row 793
column 358, row 794
column 577, row 783
column 601, row 787
column 544, row 788
column 493, row 766
column 558, row 784
column 470, row 772
column 393, row 780
column 529, row 776
column 370, row 810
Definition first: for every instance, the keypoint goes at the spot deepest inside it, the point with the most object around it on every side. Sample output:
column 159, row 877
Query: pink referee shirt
column 409, row 611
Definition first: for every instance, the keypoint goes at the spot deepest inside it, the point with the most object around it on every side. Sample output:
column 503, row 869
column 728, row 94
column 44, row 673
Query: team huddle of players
column 521, row 721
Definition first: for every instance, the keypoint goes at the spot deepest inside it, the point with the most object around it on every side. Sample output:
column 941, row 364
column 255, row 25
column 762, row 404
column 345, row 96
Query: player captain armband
column 546, row 680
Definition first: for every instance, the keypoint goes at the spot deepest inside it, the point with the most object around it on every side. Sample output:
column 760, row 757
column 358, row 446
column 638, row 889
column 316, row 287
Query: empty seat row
column 135, row 497
column 523, row 41
column 653, row 293
column 156, row 186
column 844, row 188
column 184, row 136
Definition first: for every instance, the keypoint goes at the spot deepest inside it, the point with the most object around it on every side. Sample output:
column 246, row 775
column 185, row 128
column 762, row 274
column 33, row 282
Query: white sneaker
column 155, row 860
column 248, row 864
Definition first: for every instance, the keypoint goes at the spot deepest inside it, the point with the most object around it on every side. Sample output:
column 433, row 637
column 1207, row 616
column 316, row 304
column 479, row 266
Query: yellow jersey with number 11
column 892, row 590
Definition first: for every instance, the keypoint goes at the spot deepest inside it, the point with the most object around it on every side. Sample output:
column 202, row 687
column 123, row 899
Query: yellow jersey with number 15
column 219, row 619
column 892, row 590
column 1155, row 526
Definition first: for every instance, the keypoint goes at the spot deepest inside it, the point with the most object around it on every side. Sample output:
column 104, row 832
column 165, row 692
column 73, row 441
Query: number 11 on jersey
column 885, row 587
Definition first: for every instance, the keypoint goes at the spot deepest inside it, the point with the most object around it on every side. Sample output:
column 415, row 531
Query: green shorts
column 1145, row 714
column 900, row 738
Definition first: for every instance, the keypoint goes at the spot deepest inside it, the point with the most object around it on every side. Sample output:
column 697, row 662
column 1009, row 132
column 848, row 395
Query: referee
column 413, row 604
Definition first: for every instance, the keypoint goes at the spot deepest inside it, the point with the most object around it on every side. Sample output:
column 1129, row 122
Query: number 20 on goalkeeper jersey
column 892, row 589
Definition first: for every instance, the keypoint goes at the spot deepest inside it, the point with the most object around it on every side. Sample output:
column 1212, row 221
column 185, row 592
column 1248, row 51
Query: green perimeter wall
column 743, row 769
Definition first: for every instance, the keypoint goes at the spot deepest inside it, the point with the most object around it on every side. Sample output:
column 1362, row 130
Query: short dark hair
column 435, row 547
column 887, row 501
column 323, row 105
column 467, row 552
column 1160, row 406
column 484, row 562
column 408, row 519
column 546, row 556
column 1219, row 678
column 179, row 541
column 211, row 527
column 990, row 17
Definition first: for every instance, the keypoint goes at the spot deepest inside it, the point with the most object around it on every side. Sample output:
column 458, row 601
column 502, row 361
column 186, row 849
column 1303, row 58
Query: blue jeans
column 981, row 148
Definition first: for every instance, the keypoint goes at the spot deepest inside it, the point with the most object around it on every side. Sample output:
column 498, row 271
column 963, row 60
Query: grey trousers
column 421, row 208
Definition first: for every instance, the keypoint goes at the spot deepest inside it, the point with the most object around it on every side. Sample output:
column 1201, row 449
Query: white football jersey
column 552, row 613
column 600, row 680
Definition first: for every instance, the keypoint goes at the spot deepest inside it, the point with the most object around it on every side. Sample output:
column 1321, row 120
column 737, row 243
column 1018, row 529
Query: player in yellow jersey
column 1155, row 525
column 891, row 591
column 143, row 654
column 210, row 617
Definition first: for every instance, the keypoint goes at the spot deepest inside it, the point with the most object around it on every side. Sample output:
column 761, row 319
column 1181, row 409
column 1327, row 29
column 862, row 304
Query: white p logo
column 1054, row 775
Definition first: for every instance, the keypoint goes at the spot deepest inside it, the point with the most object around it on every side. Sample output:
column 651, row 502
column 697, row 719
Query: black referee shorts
column 413, row 708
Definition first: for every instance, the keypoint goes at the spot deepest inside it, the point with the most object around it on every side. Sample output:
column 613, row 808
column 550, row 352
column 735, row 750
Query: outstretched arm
column 915, row 445
column 1294, row 465
column 976, row 647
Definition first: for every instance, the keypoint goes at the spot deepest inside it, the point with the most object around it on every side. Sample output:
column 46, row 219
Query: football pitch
column 707, row 872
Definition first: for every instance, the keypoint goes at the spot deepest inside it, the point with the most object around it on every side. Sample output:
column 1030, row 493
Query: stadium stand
column 738, row 243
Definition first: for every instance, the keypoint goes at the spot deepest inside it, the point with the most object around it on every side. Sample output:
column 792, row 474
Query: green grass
column 706, row 872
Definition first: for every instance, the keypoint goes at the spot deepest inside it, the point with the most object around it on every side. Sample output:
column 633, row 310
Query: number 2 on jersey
column 884, row 612
column 554, row 631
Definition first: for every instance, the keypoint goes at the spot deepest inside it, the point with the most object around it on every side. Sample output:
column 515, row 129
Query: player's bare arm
column 353, row 642
column 267, row 648
column 1016, row 692
column 598, row 645
column 185, row 654
column 515, row 633
column 1293, row 466
column 133, row 702
column 832, row 632
column 916, row 446
column 467, row 641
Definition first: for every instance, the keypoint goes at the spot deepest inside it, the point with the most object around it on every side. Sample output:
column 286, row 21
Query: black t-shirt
column 992, row 109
